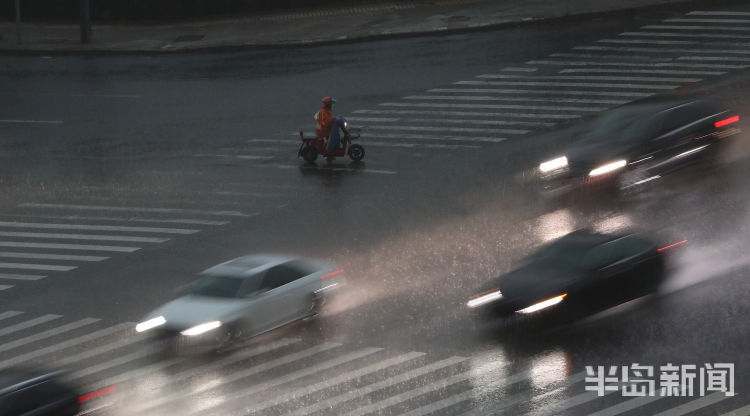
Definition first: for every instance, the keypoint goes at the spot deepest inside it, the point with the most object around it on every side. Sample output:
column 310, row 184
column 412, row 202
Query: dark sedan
column 638, row 143
column 583, row 268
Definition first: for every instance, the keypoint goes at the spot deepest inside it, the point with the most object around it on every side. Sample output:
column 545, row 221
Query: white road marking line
column 560, row 406
column 450, row 129
column 129, row 209
column 136, row 373
column 296, row 375
column 126, row 219
column 660, row 50
column 32, row 121
column 471, row 113
column 371, row 119
column 515, row 99
column 643, row 65
column 694, row 405
column 713, row 58
column 238, row 375
column 718, row 13
column 120, row 360
column 640, row 71
column 130, row 338
column 9, row 314
column 46, row 334
column 649, row 42
column 62, row 345
column 593, row 77
column 365, row 390
column 543, row 92
column 422, row 145
column 4, row 287
column 252, row 157
column 572, row 84
column 494, row 106
column 742, row 411
column 628, row 57
column 200, row 369
column 328, row 383
column 27, row 266
column 723, row 21
column 694, row 27
column 469, row 122
column 686, row 35
column 97, row 227
column 626, row 406
column 70, row 95
column 95, row 237
column 50, row 256
column 339, row 169
column 68, row 246
column 13, row 276
column 437, row 137
column 27, row 324
column 518, row 69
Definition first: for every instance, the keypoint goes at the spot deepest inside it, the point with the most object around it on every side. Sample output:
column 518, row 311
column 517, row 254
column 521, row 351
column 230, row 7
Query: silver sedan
column 242, row 298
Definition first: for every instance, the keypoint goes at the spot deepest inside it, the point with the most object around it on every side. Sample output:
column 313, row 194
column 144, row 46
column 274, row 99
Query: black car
column 583, row 268
column 635, row 144
column 41, row 393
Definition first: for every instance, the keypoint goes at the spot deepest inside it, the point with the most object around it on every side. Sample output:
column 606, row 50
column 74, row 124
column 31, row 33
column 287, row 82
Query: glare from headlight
column 553, row 164
column 151, row 323
column 484, row 298
column 199, row 329
column 609, row 167
column 543, row 304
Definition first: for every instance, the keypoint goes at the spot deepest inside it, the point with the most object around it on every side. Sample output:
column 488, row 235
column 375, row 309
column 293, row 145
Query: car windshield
column 620, row 125
column 565, row 255
column 215, row 286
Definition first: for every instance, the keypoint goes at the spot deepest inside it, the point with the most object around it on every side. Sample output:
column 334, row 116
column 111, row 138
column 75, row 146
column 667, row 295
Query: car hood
column 188, row 311
column 535, row 281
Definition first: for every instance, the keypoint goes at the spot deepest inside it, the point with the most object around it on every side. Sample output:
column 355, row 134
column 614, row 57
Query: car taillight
column 726, row 121
column 331, row 274
column 665, row 248
column 95, row 394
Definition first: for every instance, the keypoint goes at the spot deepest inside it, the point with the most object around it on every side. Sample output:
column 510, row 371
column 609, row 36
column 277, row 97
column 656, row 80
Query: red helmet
column 328, row 101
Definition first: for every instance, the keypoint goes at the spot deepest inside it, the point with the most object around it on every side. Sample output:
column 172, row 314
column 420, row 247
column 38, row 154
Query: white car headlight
column 553, row 164
column 609, row 167
column 485, row 297
column 199, row 329
column 543, row 304
column 149, row 324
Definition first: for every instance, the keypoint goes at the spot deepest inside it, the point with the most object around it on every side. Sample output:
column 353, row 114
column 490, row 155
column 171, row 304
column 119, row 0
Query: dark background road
column 206, row 142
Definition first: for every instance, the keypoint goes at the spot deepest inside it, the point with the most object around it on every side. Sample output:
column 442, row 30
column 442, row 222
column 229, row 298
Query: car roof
column 252, row 264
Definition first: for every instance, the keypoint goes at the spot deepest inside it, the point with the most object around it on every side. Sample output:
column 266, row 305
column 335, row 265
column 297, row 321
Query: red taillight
column 95, row 394
column 331, row 274
column 730, row 120
column 665, row 248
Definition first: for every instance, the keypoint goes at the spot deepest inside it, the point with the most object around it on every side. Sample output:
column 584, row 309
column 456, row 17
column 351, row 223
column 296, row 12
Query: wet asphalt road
column 418, row 228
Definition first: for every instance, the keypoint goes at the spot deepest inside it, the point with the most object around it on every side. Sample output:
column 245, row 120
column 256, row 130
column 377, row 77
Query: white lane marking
column 130, row 209
column 718, row 13
column 9, row 314
column 254, row 157
column 32, row 121
column 371, row 119
column 238, row 375
column 723, row 21
column 365, row 390
column 97, row 227
column 13, row 276
column 742, row 411
column 713, row 58
column 593, row 77
column 46, row 334
column 469, row 122
column 68, row 246
column 686, row 35
column 640, row 71
column 649, row 42
column 130, row 96
column 694, row 405
column 197, row 370
column 95, row 237
column 27, row 266
column 642, row 64
column 572, row 84
column 543, row 92
column 470, row 113
column 120, row 360
column 494, row 106
column 328, row 383
column 125, row 219
column 438, row 137
column 137, row 373
column 628, row 57
column 450, row 129
column 518, row 69
column 695, row 27
column 130, row 338
column 62, row 345
column 27, row 324
column 560, row 406
column 515, row 99
column 4, row 287
column 660, row 50
column 422, row 145
column 339, row 169
column 50, row 256
column 296, row 375
column 626, row 406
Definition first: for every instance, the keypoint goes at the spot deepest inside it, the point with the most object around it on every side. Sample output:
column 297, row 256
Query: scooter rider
column 328, row 125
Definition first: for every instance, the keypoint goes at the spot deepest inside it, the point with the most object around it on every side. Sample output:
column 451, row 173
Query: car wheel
column 316, row 304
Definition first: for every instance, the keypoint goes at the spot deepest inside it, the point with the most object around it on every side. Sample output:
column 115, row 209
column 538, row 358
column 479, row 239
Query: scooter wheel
column 356, row 152
column 310, row 154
